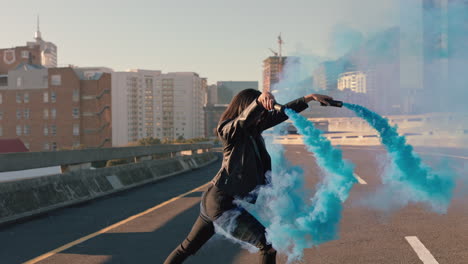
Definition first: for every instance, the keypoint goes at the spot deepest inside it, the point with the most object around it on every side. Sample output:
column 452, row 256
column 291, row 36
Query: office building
column 226, row 90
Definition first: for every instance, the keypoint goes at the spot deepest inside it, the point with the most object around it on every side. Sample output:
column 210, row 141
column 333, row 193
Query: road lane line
column 441, row 154
column 104, row 230
column 423, row 253
column 360, row 180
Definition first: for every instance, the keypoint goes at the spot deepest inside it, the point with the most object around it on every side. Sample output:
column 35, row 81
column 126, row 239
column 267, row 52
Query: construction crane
column 274, row 52
column 280, row 44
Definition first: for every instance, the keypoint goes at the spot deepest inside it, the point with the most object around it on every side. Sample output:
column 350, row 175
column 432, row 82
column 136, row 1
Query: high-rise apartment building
column 354, row 81
column 56, row 108
column 155, row 104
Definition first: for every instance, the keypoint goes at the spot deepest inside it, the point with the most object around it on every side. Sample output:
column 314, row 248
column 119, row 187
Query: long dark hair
column 243, row 99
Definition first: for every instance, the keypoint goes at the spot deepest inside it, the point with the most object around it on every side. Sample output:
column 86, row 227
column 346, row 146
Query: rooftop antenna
column 38, row 31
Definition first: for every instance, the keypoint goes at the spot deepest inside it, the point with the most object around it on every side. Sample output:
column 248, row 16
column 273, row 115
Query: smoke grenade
column 335, row 103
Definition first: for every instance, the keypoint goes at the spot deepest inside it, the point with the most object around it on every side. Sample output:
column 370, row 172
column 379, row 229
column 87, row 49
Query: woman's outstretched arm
column 275, row 117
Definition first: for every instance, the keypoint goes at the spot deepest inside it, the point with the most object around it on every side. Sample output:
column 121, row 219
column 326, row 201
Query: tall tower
column 48, row 49
column 37, row 35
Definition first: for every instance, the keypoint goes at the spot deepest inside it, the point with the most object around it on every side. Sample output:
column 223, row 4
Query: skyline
column 216, row 40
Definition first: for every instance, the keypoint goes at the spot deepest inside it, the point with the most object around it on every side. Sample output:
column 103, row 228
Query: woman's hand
column 319, row 98
column 267, row 100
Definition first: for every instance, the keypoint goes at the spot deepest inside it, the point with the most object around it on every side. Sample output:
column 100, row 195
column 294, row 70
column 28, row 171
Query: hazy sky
column 221, row 40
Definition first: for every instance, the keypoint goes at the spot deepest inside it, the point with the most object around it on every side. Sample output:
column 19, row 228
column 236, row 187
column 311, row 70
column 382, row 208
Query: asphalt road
column 367, row 235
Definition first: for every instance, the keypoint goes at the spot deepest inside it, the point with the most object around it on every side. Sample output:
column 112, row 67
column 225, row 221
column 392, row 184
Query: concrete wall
column 457, row 140
column 28, row 197
column 31, row 160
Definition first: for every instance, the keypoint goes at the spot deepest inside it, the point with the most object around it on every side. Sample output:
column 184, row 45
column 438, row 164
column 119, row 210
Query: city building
column 213, row 113
column 212, row 94
column 325, row 77
column 354, row 81
column 155, row 104
column 38, row 52
column 433, row 54
column 272, row 68
column 228, row 89
column 56, row 108
column 11, row 58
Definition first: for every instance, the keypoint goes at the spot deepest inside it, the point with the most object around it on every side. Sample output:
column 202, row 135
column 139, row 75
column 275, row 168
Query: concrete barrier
column 433, row 140
column 29, row 197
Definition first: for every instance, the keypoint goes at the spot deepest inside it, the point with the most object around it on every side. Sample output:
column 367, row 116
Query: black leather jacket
column 245, row 158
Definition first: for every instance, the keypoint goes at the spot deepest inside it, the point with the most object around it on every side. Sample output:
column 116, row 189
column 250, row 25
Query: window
column 54, row 146
column 46, row 146
column 76, row 113
column 53, row 97
column 45, row 97
column 18, row 98
column 26, row 97
column 46, row 113
column 1, row 131
column 53, row 113
column 1, row 115
column 18, row 130
column 19, row 82
column 26, row 113
column 53, row 130
column 18, row 114
column 76, row 130
column 76, row 95
column 56, row 80
column 25, row 54
column 46, row 131
column 1, row 98
column 26, row 129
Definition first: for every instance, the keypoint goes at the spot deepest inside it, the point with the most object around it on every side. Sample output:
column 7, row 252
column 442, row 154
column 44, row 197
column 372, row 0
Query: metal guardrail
column 32, row 160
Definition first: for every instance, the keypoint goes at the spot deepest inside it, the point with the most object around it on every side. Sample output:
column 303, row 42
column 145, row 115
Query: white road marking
column 423, row 253
column 441, row 154
column 360, row 180
column 104, row 230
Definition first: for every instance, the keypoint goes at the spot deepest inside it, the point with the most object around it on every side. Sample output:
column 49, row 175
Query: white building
column 154, row 104
column 48, row 49
column 355, row 81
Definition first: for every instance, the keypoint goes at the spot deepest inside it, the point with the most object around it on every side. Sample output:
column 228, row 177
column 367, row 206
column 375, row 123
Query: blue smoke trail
column 293, row 220
column 412, row 175
column 322, row 222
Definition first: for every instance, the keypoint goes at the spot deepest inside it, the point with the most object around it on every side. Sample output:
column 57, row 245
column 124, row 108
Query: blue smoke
column 294, row 219
column 410, row 176
column 322, row 221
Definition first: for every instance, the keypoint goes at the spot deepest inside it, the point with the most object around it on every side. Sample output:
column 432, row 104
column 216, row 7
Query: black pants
column 247, row 228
